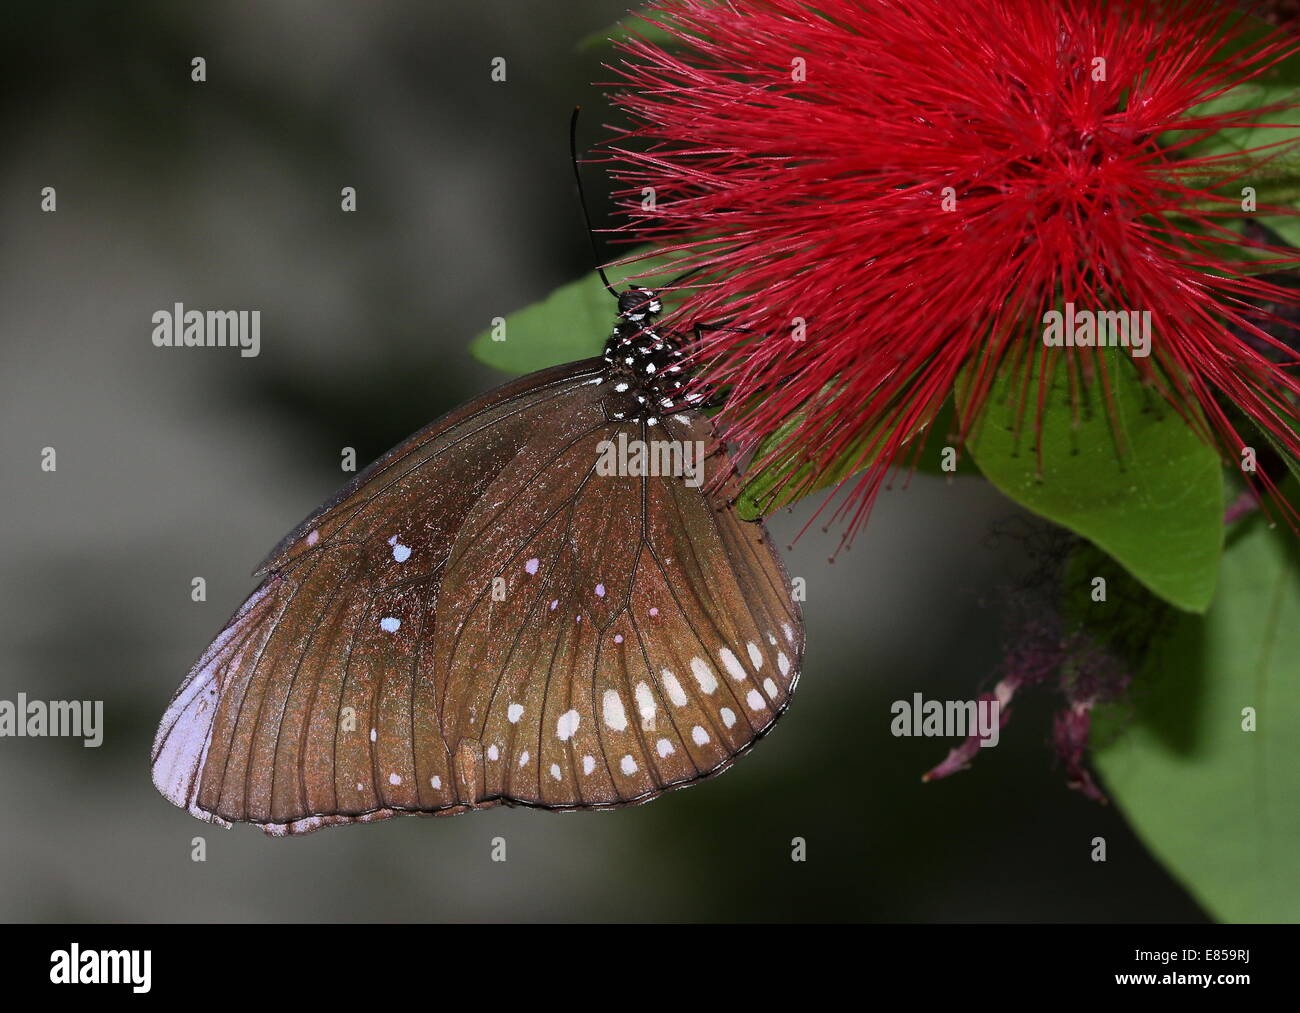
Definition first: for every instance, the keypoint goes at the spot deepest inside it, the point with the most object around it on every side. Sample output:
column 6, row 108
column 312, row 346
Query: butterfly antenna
column 582, row 199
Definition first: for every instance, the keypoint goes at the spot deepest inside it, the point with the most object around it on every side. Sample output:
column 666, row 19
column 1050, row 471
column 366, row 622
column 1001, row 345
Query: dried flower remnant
column 1086, row 654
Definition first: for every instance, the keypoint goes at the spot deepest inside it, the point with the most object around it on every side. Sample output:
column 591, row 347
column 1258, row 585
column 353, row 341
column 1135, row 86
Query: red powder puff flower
column 908, row 186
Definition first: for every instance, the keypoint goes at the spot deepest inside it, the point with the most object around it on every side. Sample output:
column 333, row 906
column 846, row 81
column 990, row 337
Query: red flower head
column 911, row 185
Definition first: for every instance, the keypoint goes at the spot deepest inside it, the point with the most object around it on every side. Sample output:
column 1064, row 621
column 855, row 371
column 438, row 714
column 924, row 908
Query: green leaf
column 1219, row 806
column 571, row 323
column 636, row 23
column 768, row 489
column 942, row 434
column 1292, row 465
column 1274, row 174
column 1154, row 502
column 1276, row 180
column 625, row 28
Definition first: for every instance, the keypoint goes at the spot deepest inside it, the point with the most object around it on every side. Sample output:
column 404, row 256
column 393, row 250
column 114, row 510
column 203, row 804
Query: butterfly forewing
column 484, row 616
column 265, row 726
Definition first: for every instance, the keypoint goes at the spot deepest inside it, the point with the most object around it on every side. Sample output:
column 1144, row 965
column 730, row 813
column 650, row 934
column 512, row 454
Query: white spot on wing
column 755, row 700
column 770, row 686
column 728, row 716
column 555, row 771
column 700, row 736
column 401, row 553
column 732, row 664
column 704, row 675
column 390, row 624
column 532, row 565
column 755, row 655
column 627, row 765
column 588, row 764
column 567, row 724
column 394, row 778
column 675, row 692
column 645, row 703
column 615, row 717
column 514, row 712
column 783, row 663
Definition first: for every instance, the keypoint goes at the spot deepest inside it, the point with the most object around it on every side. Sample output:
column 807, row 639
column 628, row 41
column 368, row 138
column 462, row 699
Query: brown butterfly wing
column 380, row 669
column 644, row 638
column 258, row 729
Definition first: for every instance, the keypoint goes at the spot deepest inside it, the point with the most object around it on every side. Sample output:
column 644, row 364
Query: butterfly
column 487, row 615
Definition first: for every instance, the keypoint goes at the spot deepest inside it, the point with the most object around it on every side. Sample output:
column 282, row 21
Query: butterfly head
column 638, row 306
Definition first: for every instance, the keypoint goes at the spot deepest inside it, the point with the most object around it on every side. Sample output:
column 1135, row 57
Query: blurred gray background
column 181, row 463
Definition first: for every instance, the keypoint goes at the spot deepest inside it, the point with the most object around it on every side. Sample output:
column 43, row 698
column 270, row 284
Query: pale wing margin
column 180, row 747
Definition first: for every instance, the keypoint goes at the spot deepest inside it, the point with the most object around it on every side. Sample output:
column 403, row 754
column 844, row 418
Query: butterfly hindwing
column 645, row 635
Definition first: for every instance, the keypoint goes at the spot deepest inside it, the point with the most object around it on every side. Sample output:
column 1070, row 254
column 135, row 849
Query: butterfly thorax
column 643, row 362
